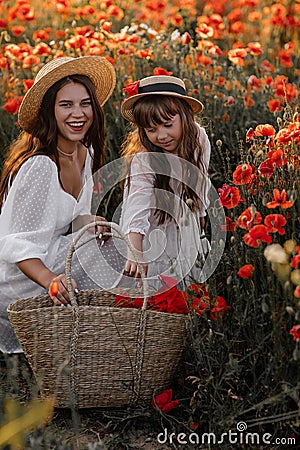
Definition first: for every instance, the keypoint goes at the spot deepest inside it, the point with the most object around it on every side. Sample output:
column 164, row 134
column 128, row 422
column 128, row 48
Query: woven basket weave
column 94, row 354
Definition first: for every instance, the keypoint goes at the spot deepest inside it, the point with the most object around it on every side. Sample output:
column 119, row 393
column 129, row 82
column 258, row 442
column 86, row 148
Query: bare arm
column 34, row 269
column 131, row 267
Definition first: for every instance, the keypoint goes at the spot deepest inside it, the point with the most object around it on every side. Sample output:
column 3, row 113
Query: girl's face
column 166, row 135
column 73, row 112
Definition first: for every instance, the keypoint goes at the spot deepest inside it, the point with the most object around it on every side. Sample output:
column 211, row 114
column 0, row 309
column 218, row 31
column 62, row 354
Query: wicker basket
column 94, row 354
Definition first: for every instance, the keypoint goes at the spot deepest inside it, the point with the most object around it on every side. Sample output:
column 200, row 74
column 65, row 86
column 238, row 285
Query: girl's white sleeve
column 138, row 199
column 29, row 215
column 206, row 148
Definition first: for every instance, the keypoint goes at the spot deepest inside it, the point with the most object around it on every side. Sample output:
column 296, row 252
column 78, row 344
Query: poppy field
column 241, row 59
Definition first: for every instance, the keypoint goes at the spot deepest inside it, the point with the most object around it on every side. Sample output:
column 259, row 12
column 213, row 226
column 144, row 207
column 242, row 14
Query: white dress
column 34, row 220
column 176, row 248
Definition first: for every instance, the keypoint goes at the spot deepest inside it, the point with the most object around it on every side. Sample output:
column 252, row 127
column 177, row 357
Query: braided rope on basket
column 76, row 244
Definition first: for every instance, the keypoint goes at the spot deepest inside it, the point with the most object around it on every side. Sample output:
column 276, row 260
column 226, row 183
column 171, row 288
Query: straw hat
column 98, row 69
column 156, row 85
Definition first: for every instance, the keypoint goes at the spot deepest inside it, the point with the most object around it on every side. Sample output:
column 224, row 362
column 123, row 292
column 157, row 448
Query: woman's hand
column 58, row 290
column 101, row 229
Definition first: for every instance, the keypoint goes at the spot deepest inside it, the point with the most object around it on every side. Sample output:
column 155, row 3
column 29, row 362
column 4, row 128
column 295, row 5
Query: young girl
column 46, row 185
column 165, row 193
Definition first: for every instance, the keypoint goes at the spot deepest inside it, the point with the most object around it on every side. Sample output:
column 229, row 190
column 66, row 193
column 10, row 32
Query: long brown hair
column 156, row 110
column 43, row 138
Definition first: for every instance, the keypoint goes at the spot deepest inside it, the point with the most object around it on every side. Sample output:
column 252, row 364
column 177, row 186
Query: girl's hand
column 132, row 269
column 58, row 290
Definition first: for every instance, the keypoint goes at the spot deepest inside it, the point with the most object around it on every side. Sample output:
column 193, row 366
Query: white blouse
column 172, row 248
column 34, row 220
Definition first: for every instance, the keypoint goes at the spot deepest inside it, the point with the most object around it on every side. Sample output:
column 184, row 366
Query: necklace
column 66, row 154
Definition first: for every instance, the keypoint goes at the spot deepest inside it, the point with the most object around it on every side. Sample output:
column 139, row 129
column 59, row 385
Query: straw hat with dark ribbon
column 98, row 69
column 156, row 85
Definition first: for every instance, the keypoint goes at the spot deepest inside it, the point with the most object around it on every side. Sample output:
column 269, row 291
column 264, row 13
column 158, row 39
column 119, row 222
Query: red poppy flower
column 27, row 84
column 144, row 53
column 176, row 304
column 132, row 88
column 230, row 196
column 257, row 234
column 250, row 135
column 274, row 105
column 285, row 58
column 295, row 261
column 279, row 199
column 186, row 38
column 164, row 401
column 30, row 61
column 246, row 271
column 266, row 168
column 248, row 101
column 295, row 332
column 265, row 130
column 275, row 223
column 249, row 218
column 243, row 174
column 219, row 308
column 3, row 62
column 12, row 104
column 201, row 305
column 276, row 156
column 170, row 301
column 17, row 30
column 289, row 134
column 254, row 48
column 237, row 56
column 161, row 71
column 204, row 31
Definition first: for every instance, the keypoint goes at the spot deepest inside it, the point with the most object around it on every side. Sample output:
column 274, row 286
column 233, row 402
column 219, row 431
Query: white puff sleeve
column 29, row 215
column 138, row 196
column 206, row 149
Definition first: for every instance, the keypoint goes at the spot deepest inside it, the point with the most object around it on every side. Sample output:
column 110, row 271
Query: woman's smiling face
column 73, row 111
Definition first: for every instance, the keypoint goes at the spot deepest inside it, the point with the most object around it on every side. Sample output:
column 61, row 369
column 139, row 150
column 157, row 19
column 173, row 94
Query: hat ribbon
column 162, row 87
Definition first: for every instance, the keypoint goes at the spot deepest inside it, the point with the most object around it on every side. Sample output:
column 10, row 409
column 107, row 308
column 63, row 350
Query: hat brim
column 128, row 103
column 100, row 71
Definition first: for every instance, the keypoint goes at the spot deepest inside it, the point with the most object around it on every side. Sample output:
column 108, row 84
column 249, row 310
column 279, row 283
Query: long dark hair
column 155, row 110
column 43, row 138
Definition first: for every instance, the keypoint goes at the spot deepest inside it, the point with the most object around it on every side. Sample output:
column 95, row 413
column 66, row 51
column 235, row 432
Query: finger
column 146, row 269
column 65, row 298
column 74, row 286
column 138, row 274
column 133, row 270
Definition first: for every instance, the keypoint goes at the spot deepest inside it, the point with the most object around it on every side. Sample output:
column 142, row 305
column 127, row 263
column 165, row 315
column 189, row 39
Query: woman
column 46, row 185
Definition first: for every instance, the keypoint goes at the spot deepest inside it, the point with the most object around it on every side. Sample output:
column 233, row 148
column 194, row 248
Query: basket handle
column 118, row 234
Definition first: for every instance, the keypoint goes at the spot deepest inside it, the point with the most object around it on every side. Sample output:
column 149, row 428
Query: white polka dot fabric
column 34, row 221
